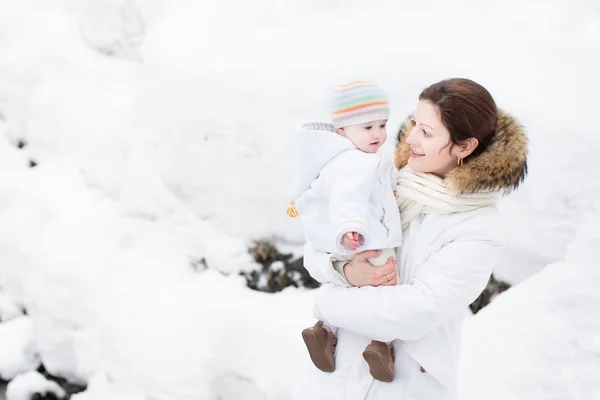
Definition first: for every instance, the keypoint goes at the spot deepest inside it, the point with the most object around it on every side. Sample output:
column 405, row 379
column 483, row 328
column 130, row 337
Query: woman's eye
column 425, row 133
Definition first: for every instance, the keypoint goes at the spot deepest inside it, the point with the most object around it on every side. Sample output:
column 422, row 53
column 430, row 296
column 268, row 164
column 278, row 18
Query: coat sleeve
column 351, row 179
column 320, row 266
column 445, row 285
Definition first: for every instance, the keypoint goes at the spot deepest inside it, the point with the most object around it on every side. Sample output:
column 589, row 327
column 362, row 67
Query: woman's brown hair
column 467, row 110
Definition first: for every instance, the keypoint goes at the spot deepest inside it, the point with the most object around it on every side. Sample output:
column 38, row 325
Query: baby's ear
column 340, row 131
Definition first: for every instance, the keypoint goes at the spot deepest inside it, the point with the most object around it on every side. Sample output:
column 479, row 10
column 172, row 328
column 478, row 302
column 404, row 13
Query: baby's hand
column 352, row 240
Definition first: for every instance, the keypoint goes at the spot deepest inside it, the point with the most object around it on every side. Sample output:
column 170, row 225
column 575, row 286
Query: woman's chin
column 414, row 165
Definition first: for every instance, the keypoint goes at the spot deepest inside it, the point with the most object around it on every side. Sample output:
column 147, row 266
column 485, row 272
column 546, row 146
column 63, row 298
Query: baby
column 344, row 193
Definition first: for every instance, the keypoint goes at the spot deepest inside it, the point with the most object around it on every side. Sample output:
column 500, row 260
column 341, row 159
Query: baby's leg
column 383, row 257
column 329, row 327
column 379, row 355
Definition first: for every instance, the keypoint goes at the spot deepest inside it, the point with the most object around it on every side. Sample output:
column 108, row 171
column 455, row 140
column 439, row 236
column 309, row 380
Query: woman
column 457, row 154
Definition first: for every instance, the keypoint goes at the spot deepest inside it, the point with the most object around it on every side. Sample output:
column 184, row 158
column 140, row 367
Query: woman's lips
column 415, row 155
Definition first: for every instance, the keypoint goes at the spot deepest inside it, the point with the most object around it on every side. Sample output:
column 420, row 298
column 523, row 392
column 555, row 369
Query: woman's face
column 430, row 144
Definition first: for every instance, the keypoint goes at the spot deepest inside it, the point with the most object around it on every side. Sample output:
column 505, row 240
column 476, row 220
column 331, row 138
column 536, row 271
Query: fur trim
column 503, row 166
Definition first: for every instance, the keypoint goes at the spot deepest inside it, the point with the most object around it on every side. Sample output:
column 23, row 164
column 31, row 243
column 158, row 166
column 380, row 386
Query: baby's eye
column 368, row 127
column 383, row 125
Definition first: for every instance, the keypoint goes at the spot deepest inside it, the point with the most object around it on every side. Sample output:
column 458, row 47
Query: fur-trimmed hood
column 503, row 166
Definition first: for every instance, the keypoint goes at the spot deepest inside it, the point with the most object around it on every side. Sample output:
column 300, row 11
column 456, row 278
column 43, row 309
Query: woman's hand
column 360, row 272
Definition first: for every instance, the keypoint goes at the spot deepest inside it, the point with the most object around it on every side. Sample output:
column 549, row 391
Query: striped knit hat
column 358, row 102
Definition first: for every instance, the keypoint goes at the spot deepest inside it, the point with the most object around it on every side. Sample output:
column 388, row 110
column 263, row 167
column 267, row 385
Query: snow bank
column 123, row 298
column 18, row 352
column 539, row 340
column 207, row 114
column 200, row 331
column 23, row 387
column 115, row 291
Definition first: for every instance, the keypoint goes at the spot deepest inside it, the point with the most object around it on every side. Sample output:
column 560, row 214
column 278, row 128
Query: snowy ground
column 163, row 134
column 541, row 338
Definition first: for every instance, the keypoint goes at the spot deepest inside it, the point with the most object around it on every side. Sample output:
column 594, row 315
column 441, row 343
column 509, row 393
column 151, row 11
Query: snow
column 236, row 102
column 100, row 388
column 190, row 344
column 175, row 150
column 18, row 353
column 539, row 340
column 30, row 383
column 114, row 28
column 8, row 309
column 277, row 266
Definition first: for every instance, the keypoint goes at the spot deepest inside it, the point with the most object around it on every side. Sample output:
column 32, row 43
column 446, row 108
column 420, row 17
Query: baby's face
column 367, row 137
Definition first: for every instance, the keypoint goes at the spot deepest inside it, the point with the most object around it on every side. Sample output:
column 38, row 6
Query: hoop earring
column 460, row 161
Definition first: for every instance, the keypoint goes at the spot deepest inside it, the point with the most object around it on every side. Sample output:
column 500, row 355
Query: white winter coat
column 340, row 189
column 444, row 263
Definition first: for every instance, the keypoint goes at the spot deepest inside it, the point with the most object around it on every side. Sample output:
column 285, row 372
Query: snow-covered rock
column 18, row 352
column 274, row 271
column 25, row 386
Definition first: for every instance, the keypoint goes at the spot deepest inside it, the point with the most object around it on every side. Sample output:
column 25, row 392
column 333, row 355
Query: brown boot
column 380, row 357
column 321, row 346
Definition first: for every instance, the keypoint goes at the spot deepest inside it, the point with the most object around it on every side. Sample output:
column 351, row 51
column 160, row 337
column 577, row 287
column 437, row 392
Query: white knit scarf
column 418, row 194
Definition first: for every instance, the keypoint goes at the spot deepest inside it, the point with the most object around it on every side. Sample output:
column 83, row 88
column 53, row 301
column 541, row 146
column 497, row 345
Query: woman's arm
column 320, row 266
column 445, row 285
